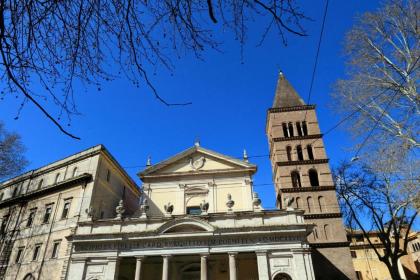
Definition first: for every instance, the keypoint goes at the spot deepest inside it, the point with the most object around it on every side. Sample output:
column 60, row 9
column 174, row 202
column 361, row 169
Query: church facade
column 196, row 215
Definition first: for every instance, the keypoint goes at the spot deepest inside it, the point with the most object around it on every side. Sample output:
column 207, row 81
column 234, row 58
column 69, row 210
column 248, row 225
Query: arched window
column 74, row 171
column 310, row 203
column 304, row 128
column 1, row 196
column 315, row 232
column 285, row 131
column 299, row 129
column 15, row 191
column 310, row 152
column 57, row 177
column 291, row 134
column 321, row 203
column 29, row 276
column 299, row 152
column 298, row 202
column 295, row 179
column 327, row 231
column 40, row 183
column 289, row 153
column 313, row 178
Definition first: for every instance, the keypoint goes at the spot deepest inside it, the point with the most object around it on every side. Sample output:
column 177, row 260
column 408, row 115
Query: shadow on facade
column 324, row 269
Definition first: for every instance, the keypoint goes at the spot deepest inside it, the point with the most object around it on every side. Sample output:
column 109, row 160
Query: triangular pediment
column 197, row 160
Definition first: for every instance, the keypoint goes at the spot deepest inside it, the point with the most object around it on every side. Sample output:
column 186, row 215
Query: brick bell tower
column 302, row 174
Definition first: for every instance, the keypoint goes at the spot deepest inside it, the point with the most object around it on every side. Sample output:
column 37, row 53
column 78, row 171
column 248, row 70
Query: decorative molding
column 302, row 162
column 329, row 244
column 322, row 215
column 292, row 108
column 312, row 136
column 198, row 163
column 307, row 189
column 23, row 198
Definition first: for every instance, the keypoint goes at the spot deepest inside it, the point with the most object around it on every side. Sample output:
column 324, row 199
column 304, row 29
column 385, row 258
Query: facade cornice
column 302, row 162
column 22, row 198
column 312, row 136
column 292, row 108
column 194, row 173
column 308, row 189
column 329, row 244
column 322, row 216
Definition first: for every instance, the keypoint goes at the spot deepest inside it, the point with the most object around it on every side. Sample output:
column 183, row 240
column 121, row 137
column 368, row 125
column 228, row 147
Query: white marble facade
column 198, row 219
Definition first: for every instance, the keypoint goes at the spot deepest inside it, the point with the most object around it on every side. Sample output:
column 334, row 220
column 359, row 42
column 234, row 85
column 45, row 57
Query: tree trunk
column 393, row 270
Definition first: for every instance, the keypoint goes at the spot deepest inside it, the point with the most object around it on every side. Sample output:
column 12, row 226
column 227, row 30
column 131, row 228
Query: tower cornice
column 302, row 162
column 312, row 136
column 292, row 108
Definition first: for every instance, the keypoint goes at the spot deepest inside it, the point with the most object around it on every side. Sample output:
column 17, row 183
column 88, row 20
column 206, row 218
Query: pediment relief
column 197, row 160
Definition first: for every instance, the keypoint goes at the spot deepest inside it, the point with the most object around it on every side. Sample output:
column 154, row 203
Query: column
column 203, row 275
column 139, row 261
column 232, row 265
column 77, row 269
column 112, row 268
column 262, row 262
column 165, row 270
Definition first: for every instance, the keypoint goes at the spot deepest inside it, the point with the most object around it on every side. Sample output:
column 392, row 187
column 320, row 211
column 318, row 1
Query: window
column 321, row 203
column 327, row 231
column 194, row 210
column 74, row 171
column 1, row 196
column 299, row 152
column 353, row 254
column 47, row 215
column 108, row 175
column 359, row 238
column 291, row 134
column 315, row 232
column 56, row 247
column 36, row 252
column 19, row 255
column 40, row 184
column 310, row 203
column 66, row 209
column 359, row 275
column 299, row 129
column 310, row 152
column 31, row 217
column 57, row 177
column 285, row 130
column 289, row 153
column 304, row 128
column 295, row 179
column 4, row 224
column 298, row 202
column 313, row 178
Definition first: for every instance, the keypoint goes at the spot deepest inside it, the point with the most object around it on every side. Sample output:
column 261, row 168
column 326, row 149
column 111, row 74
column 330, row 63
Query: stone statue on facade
column 204, row 206
column 288, row 203
column 144, row 207
column 169, row 208
column 230, row 203
column 256, row 201
column 120, row 210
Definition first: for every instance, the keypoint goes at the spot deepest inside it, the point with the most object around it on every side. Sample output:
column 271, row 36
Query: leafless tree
column 12, row 160
column 383, row 51
column 57, row 44
column 381, row 197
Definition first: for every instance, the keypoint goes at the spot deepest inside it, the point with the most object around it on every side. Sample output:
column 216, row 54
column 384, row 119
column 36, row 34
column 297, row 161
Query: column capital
column 204, row 255
column 234, row 254
column 113, row 259
column 79, row 259
column 167, row 256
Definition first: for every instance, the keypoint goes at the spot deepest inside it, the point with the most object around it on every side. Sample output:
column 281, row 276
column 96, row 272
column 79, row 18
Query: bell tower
column 302, row 174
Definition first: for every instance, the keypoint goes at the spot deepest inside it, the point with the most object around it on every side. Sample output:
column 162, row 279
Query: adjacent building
column 41, row 208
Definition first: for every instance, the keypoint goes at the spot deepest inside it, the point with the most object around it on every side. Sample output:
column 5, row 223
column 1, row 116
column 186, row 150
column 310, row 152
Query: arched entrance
column 282, row 276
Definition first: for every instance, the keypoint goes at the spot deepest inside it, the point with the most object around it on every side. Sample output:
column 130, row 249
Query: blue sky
column 230, row 98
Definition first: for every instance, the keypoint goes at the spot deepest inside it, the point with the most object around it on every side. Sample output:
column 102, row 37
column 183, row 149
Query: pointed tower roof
column 286, row 95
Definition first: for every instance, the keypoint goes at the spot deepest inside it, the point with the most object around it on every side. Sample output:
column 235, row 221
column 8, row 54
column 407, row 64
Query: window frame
column 30, row 220
column 19, row 254
column 66, row 210
column 37, row 250
column 47, row 206
column 55, row 249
